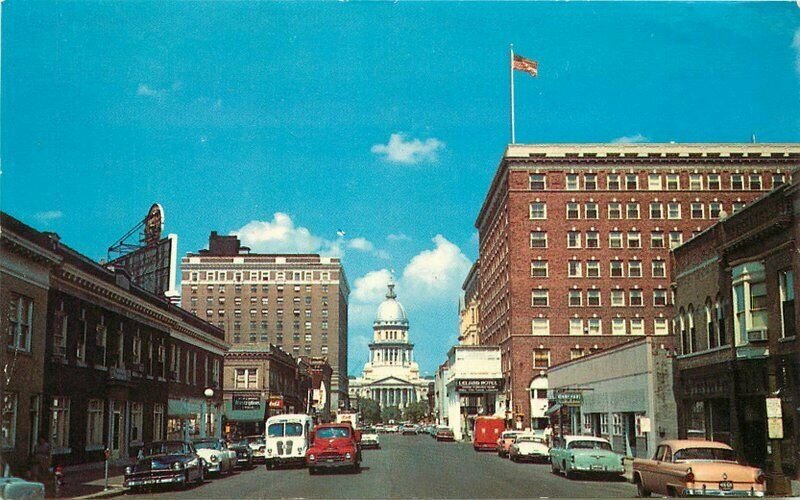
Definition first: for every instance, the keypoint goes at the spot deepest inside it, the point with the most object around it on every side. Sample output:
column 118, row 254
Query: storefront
column 245, row 415
column 472, row 385
column 193, row 418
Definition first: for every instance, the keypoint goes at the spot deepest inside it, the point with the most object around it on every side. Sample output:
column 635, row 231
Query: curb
column 111, row 492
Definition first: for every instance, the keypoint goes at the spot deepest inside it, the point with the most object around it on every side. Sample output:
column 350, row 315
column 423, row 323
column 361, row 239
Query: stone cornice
column 25, row 248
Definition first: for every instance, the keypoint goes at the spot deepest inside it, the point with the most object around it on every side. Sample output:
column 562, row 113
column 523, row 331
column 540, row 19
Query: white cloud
column 408, row 151
column 398, row 237
column 48, row 216
column 630, row 139
column 281, row 235
column 362, row 244
column 371, row 287
column 436, row 273
column 796, row 47
column 148, row 91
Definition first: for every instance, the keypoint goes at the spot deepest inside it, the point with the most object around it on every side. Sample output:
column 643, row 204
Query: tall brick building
column 575, row 241
column 297, row 302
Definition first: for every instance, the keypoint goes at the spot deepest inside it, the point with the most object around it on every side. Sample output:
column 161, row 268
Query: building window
column 786, row 283
column 634, row 239
column 697, row 211
column 714, row 210
column 593, row 298
column 777, row 180
column 538, row 182
column 673, row 211
column 590, row 211
column 94, row 423
column 632, row 210
column 573, row 239
column 573, row 211
column 654, row 182
column 538, row 239
column 592, row 239
column 617, row 426
column 618, row 326
column 637, row 326
column 714, row 183
column 592, row 269
column 538, row 210
column 8, row 427
column 659, row 269
column 695, row 182
column 635, row 269
column 657, row 239
column 635, row 298
column 673, row 182
column 738, row 206
column 575, row 298
column 615, row 239
column 661, row 326
column 158, row 422
column 615, row 211
column 656, row 210
column 737, row 182
column 540, row 298
column 631, row 182
column 574, row 269
column 539, row 269
column 20, row 320
column 659, row 298
column 675, row 239
column 604, row 424
column 755, row 182
column 541, row 358
column 595, row 326
column 613, row 182
column 590, row 182
column 575, row 326
column 617, row 298
column 616, row 269
column 59, row 423
column 246, row 378
column 572, row 182
column 750, row 301
column 540, row 326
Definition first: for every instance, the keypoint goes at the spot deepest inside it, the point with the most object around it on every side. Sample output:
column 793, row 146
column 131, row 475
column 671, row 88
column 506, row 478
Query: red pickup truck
column 334, row 446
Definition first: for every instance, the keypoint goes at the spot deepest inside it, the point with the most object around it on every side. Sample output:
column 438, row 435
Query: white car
column 259, row 446
column 528, row 447
column 369, row 438
column 218, row 458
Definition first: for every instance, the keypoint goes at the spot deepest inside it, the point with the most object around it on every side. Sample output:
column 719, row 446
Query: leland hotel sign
column 479, row 385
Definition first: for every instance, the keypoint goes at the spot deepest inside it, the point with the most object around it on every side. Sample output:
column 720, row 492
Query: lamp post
column 208, row 393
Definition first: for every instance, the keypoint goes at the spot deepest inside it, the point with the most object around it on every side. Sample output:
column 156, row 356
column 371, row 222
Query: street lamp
column 208, row 393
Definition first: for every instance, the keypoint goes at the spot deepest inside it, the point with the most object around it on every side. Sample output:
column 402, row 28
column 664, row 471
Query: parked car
column 13, row 488
column 409, row 429
column 380, row 428
column 218, row 458
column 696, row 467
column 244, row 454
column 445, row 434
column 528, row 447
column 165, row 462
column 504, row 442
column 259, row 447
column 391, row 429
column 571, row 455
column 334, row 446
column 487, row 432
column 369, row 438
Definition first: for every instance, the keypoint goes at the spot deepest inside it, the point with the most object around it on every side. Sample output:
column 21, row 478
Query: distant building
column 297, row 302
column 469, row 308
column 440, row 411
column 472, row 383
column 391, row 376
column 321, row 374
column 736, row 327
column 575, row 239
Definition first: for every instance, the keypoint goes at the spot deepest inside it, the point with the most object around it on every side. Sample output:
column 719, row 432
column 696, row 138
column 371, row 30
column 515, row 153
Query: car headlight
column 128, row 470
column 311, row 457
column 269, row 451
column 347, row 456
column 177, row 466
column 301, row 449
column 214, row 458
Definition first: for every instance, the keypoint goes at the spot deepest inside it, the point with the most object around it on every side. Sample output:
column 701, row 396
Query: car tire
column 312, row 471
column 569, row 474
column 356, row 467
column 641, row 491
column 553, row 467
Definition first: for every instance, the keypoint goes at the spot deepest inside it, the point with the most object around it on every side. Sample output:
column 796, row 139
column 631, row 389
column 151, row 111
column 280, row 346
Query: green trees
column 391, row 413
column 370, row 411
column 416, row 412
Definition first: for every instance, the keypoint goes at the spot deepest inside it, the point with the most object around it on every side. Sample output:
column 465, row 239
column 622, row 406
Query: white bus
column 287, row 439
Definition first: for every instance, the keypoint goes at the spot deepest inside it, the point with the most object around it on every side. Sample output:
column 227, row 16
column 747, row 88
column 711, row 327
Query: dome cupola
column 391, row 312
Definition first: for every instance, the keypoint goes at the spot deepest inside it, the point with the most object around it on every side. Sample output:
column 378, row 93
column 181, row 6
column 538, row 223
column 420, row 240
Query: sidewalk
column 89, row 482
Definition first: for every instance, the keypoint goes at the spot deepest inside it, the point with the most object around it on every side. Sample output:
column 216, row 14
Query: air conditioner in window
column 759, row 335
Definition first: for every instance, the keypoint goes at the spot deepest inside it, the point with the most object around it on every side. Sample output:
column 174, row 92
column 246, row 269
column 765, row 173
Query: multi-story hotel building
column 469, row 307
column 575, row 242
column 297, row 302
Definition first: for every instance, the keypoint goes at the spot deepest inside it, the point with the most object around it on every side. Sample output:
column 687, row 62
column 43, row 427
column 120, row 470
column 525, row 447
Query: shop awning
column 552, row 409
column 184, row 409
column 254, row 415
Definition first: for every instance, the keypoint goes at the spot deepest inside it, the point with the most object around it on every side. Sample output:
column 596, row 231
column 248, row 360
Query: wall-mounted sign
column 275, row 402
column 246, row 402
column 774, row 408
column 479, row 385
column 569, row 398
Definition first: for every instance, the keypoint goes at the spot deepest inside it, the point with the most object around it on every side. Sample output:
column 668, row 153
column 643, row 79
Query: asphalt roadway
column 408, row 467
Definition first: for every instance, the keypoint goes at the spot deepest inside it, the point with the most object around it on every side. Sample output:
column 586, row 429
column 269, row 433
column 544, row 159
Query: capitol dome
column 391, row 311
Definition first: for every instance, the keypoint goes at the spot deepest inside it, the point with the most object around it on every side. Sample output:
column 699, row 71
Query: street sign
column 569, row 398
column 774, row 408
column 775, row 428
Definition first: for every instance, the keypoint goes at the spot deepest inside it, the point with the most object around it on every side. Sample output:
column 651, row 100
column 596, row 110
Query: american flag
column 526, row 65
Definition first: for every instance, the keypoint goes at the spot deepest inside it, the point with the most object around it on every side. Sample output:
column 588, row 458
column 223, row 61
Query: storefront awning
column 253, row 415
column 184, row 409
column 552, row 409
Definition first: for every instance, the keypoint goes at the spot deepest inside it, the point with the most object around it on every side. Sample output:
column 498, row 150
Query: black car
column 244, row 454
column 165, row 462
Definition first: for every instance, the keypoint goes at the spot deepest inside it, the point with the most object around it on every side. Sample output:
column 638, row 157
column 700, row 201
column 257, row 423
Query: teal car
column 572, row 455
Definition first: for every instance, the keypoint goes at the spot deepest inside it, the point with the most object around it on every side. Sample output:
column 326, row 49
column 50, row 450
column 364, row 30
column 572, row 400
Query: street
column 408, row 467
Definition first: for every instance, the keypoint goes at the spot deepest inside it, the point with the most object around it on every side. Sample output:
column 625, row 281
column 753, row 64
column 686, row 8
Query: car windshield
column 713, row 454
column 208, row 445
column 333, row 432
column 166, row 448
column 529, row 439
column 368, row 430
column 589, row 445
column 509, row 435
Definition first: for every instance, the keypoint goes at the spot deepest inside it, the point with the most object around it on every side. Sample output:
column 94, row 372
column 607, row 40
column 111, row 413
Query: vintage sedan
column 258, row 444
column 165, row 462
column 504, row 442
column 572, row 455
column 369, row 438
column 444, row 434
column 527, row 447
column 244, row 454
column 696, row 468
column 218, row 458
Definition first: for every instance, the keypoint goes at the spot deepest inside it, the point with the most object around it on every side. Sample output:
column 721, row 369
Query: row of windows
column 591, row 269
column 593, row 298
column 594, row 326
column 631, row 210
column 237, row 289
column 240, row 276
column 591, row 239
column 657, row 182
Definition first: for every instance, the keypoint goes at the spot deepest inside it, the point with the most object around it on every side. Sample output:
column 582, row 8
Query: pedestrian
column 41, row 457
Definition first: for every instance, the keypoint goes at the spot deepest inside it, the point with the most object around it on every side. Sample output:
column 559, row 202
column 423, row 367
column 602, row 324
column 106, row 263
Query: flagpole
column 511, row 76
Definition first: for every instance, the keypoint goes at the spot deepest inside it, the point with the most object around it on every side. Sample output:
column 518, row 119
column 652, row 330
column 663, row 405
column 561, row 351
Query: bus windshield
column 290, row 429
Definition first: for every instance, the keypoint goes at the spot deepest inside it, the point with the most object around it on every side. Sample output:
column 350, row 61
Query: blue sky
column 386, row 120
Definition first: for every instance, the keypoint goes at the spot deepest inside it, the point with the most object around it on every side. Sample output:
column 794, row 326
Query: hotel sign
column 479, row 386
